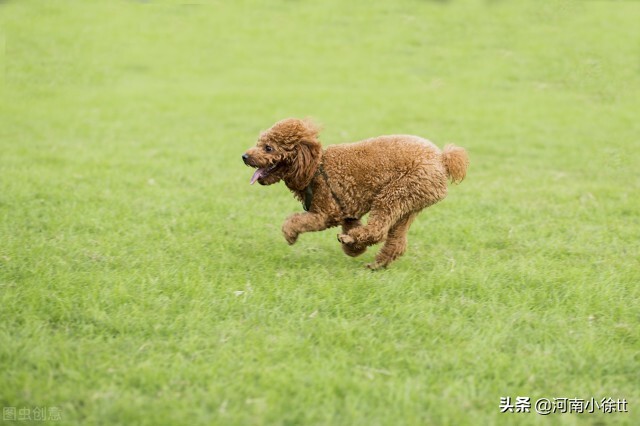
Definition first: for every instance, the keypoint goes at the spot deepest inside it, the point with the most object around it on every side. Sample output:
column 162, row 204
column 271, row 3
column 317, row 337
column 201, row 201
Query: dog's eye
column 268, row 148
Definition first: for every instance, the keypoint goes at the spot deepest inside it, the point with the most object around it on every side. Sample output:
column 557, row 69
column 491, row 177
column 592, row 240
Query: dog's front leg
column 298, row 223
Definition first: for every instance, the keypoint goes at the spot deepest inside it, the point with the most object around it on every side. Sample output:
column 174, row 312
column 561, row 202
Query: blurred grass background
column 143, row 281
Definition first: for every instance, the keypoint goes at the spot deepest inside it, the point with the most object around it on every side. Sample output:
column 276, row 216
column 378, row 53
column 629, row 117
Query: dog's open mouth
column 262, row 173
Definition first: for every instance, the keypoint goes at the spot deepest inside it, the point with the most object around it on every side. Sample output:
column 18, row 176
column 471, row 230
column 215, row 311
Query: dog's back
column 375, row 162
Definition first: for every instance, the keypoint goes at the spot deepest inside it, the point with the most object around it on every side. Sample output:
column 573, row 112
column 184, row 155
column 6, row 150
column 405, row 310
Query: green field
column 143, row 281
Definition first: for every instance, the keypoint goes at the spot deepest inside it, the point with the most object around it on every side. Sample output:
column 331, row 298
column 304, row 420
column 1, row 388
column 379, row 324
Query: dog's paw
column 353, row 250
column 289, row 235
column 291, row 238
column 375, row 266
column 346, row 239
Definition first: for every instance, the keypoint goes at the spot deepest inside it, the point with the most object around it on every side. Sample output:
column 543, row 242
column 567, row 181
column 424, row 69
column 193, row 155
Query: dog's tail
column 456, row 161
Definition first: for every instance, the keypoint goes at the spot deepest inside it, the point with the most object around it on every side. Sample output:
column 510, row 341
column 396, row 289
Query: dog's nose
column 245, row 157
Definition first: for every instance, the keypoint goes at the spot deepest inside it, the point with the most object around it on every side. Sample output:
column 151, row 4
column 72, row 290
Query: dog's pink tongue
column 256, row 175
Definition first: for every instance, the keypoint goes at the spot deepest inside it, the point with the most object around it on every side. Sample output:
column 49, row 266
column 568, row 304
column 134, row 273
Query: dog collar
column 308, row 192
column 308, row 197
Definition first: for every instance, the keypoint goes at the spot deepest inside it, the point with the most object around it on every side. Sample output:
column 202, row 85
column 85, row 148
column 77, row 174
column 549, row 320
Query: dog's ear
column 306, row 157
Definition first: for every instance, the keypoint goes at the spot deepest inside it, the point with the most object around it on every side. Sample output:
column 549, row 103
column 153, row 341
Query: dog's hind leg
column 372, row 233
column 395, row 244
column 395, row 202
column 352, row 250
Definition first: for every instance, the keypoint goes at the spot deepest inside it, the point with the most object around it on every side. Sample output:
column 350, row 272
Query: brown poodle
column 392, row 177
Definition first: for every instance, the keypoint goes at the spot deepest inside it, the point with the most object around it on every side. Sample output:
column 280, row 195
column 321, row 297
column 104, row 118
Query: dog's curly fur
column 392, row 177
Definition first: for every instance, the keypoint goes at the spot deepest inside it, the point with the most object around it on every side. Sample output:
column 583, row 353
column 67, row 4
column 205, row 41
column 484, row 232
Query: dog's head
column 288, row 151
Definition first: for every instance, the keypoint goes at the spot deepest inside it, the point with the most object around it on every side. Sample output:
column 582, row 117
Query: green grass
column 144, row 281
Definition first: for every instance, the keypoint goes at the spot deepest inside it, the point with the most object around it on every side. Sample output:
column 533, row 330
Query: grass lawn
column 144, row 281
